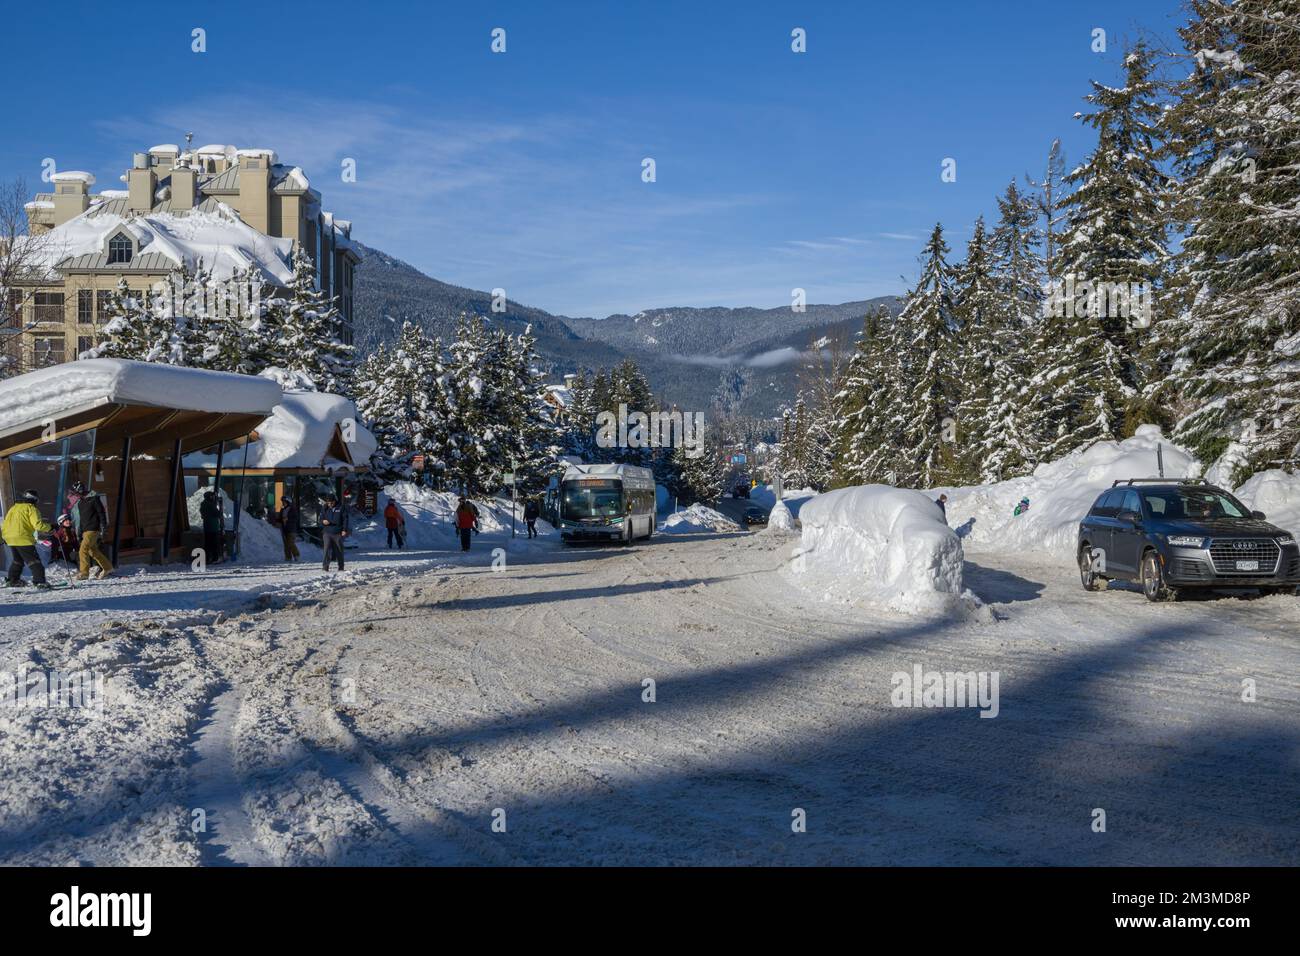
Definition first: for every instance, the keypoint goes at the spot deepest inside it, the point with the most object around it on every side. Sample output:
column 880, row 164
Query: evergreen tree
column 701, row 478
column 979, row 314
column 140, row 329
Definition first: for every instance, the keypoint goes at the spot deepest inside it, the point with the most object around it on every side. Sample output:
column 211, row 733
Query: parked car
column 1172, row 536
column 755, row 515
column 741, row 490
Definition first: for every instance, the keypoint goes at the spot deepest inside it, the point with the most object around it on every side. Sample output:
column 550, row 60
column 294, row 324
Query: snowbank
column 794, row 498
column 697, row 519
column 1277, row 494
column 880, row 545
column 1060, row 494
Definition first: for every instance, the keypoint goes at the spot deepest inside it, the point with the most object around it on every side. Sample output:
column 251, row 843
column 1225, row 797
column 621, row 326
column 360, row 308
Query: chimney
column 255, row 191
column 183, row 187
column 71, row 195
column 140, row 184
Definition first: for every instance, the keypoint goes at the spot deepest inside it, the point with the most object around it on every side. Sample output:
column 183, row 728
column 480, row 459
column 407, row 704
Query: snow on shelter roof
column 121, row 398
column 305, row 430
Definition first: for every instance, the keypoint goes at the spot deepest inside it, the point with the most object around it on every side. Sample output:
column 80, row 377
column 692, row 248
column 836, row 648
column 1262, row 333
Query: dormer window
column 119, row 249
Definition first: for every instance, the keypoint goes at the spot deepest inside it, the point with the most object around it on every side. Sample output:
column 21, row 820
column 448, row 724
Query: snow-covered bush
column 880, row 545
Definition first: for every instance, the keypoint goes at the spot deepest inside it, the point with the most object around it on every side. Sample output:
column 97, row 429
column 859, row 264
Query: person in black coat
column 214, row 527
column 531, row 513
column 287, row 519
column 335, row 526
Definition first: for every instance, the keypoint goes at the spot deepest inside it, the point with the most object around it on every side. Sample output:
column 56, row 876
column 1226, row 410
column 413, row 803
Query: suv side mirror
column 1258, row 515
column 1132, row 517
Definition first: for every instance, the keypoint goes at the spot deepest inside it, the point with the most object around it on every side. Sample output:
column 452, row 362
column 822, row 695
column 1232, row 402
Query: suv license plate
column 1247, row 565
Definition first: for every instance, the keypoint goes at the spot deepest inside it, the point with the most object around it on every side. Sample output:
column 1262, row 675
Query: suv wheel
column 1153, row 579
column 1089, row 578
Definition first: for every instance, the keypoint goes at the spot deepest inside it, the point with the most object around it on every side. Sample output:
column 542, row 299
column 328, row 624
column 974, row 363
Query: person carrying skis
column 334, row 528
column 1021, row 508
column 287, row 519
column 466, row 521
column 90, row 518
column 531, row 513
column 395, row 522
column 22, row 524
column 214, row 522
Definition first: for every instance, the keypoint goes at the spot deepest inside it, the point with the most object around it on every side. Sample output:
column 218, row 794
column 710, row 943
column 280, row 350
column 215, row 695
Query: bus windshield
column 591, row 498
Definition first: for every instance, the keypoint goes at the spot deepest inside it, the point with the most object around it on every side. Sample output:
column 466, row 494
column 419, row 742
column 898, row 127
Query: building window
column 47, row 350
column 85, row 343
column 49, row 306
column 119, row 249
column 85, row 306
column 102, row 297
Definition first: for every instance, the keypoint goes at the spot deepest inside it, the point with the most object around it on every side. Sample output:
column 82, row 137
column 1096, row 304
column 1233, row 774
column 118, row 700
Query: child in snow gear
column 1022, row 507
column 942, row 502
column 214, row 522
column 531, row 513
column 90, row 519
column 21, row 526
column 64, row 539
column 334, row 528
column 466, row 521
column 287, row 519
column 395, row 522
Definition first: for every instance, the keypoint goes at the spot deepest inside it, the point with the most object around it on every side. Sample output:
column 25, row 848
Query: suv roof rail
column 1159, row 481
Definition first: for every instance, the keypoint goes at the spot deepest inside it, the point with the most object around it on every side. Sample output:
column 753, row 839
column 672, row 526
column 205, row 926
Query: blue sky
column 522, row 170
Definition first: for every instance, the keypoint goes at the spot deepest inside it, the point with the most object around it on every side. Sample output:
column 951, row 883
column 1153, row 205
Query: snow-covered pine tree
column 306, row 332
column 1228, row 363
column 398, row 393
column 866, row 406
column 1049, row 198
column 979, row 315
column 701, row 478
column 139, row 328
column 1117, row 216
column 1015, row 417
column 927, row 328
column 580, row 418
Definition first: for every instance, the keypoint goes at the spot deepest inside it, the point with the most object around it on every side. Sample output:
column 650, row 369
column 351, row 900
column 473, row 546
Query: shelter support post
column 171, row 500
column 119, row 508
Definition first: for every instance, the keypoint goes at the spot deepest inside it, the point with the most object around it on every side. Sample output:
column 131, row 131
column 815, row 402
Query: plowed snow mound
column 880, row 545
column 697, row 519
column 1059, row 492
column 1277, row 494
column 779, row 520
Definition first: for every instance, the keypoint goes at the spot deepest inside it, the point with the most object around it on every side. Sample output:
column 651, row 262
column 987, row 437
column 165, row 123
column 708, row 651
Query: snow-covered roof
column 301, row 432
column 259, row 151
column 51, row 393
column 212, row 232
column 215, row 149
column 562, row 394
column 74, row 176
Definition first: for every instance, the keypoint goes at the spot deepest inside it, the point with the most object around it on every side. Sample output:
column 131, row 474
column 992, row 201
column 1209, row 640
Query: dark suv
column 1173, row 535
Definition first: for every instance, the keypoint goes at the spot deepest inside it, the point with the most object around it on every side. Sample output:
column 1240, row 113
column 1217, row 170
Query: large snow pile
column 1059, row 492
column 697, row 519
column 1277, row 494
column 779, row 519
column 880, row 545
column 58, row 390
column 794, row 498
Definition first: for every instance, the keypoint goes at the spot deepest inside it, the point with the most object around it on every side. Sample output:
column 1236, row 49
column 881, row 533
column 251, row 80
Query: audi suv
column 1172, row 536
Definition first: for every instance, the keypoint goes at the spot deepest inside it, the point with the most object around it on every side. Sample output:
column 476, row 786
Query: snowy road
column 395, row 720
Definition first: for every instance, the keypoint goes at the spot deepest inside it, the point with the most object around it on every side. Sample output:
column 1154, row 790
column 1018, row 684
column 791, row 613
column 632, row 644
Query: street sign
column 507, row 477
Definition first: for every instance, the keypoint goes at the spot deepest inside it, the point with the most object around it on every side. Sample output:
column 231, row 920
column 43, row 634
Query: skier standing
column 531, row 513
column 287, row 519
column 395, row 522
column 334, row 528
column 466, row 521
column 64, row 539
column 21, row 526
column 214, row 521
column 90, row 518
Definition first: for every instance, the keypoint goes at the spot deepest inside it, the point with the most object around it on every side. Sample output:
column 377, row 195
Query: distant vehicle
column 1172, row 536
column 606, row 503
column 755, row 515
column 741, row 490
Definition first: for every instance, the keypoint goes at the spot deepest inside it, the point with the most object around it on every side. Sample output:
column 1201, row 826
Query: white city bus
column 606, row 503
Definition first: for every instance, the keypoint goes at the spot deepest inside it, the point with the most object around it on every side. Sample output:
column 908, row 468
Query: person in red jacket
column 395, row 522
column 466, row 521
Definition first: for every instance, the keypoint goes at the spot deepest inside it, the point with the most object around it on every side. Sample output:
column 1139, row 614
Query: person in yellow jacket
column 21, row 526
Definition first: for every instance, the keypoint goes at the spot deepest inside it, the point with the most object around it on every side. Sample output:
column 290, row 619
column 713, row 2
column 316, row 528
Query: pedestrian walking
column 395, row 523
column 532, row 511
column 90, row 519
column 22, row 524
column 287, row 519
column 334, row 528
column 214, row 527
column 466, row 521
